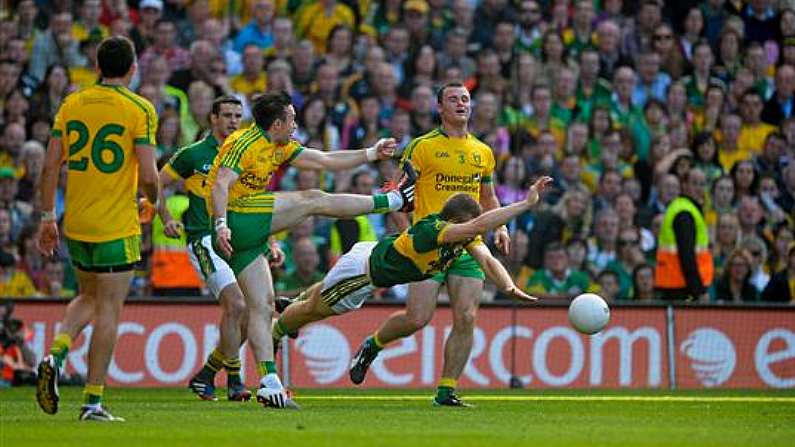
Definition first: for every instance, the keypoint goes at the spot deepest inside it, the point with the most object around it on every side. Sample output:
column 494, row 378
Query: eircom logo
column 326, row 352
column 712, row 356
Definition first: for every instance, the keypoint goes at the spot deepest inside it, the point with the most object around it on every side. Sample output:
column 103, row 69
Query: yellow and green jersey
column 254, row 157
column 99, row 128
column 192, row 163
column 446, row 166
column 415, row 254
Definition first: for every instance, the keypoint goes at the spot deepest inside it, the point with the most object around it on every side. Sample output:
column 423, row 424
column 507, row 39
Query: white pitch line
column 565, row 398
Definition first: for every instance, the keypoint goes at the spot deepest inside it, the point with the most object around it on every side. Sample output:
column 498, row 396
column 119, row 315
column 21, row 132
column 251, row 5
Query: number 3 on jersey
column 106, row 155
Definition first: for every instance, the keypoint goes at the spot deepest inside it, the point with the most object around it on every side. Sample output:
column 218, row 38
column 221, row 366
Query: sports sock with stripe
column 215, row 361
column 92, row 395
column 60, row 348
column 232, row 367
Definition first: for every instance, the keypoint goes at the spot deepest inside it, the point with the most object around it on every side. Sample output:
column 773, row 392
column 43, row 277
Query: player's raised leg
column 291, row 208
column 419, row 310
column 79, row 313
column 465, row 296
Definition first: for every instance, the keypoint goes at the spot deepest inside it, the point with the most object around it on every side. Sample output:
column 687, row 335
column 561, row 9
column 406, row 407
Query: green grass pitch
column 405, row 418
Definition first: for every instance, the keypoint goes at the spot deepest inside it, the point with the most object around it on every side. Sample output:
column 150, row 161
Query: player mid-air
column 419, row 252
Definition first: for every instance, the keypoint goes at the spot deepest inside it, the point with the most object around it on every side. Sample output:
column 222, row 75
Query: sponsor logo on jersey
column 458, row 183
column 253, row 181
column 442, row 155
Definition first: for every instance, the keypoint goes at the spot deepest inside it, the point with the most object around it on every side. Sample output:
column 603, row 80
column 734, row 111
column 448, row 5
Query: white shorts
column 347, row 285
column 216, row 272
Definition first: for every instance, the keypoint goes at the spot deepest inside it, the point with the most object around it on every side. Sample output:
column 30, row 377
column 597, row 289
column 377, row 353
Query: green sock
column 215, row 362
column 92, row 394
column 375, row 343
column 380, row 203
column 443, row 392
column 60, row 348
column 266, row 367
column 232, row 367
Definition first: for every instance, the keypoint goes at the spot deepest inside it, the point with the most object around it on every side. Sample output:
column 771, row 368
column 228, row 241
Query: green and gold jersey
column 415, row 254
column 251, row 153
column 446, row 166
column 100, row 128
column 192, row 163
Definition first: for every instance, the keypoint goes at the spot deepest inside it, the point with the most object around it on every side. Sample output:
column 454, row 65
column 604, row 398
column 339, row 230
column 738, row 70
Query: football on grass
column 588, row 313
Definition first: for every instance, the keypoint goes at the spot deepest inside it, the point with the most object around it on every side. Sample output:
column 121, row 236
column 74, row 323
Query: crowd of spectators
column 617, row 100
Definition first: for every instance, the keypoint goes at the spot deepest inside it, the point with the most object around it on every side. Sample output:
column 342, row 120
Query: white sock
column 271, row 381
column 395, row 200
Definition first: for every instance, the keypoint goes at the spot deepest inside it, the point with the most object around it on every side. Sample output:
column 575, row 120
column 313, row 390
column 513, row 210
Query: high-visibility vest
column 668, row 273
column 171, row 267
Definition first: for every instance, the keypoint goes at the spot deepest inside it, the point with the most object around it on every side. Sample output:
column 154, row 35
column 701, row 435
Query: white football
column 588, row 313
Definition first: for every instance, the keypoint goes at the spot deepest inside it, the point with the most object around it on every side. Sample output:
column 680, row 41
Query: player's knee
column 235, row 309
column 465, row 319
column 416, row 322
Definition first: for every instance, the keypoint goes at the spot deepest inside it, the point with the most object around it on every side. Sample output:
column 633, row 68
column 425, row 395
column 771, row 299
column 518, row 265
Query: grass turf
column 349, row 417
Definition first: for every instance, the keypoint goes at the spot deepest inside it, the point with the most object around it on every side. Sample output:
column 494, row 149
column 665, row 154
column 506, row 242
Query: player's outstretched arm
column 47, row 237
column 496, row 217
column 497, row 273
column 344, row 159
column 220, row 196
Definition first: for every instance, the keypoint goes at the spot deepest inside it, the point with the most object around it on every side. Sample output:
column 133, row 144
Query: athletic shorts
column 347, row 284
column 465, row 266
column 251, row 229
column 216, row 272
column 118, row 255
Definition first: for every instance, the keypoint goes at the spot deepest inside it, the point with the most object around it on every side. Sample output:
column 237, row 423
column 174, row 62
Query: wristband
column 371, row 153
column 48, row 216
column 220, row 222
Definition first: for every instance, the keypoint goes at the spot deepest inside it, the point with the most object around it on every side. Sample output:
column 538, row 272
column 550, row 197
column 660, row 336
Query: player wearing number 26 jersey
column 99, row 127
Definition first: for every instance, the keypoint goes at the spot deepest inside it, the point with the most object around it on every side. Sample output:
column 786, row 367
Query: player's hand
column 223, row 236
column 534, row 195
column 277, row 255
column 146, row 210
column 503, row 240
column 47, row 237
column 519, row 294
column 173, row 229
column 386, row 147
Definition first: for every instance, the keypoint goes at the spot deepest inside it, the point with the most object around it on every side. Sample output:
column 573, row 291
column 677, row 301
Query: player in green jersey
column 423, row 250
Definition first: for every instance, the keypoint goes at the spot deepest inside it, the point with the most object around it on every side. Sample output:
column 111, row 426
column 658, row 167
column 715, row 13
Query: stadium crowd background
column 614, row 99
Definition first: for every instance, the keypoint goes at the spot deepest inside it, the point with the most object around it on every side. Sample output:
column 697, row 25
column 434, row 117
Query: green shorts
column 250, row 234
column 117, row 255
column 465, row 266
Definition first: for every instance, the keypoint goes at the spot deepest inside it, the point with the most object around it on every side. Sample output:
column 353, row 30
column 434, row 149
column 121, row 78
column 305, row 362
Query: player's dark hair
column 115, row 56
column 460, row 208
column 440, row 93
column 225, row 99
column 270, row 107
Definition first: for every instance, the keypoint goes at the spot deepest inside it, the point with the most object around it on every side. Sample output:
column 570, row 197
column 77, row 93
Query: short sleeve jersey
column 192, row 164
column 99, row 128
column 415, row 254
column 446, row 166
column 254, row 157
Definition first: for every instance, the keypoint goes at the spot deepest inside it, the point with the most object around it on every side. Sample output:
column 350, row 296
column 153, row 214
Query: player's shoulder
column 427, row 140
column 477, row 143
column 134, row 101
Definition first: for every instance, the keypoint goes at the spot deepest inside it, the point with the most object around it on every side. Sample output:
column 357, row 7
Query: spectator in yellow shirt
column 14, row 283
column 753, row 131
column 253, row 78
column 316, row 20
